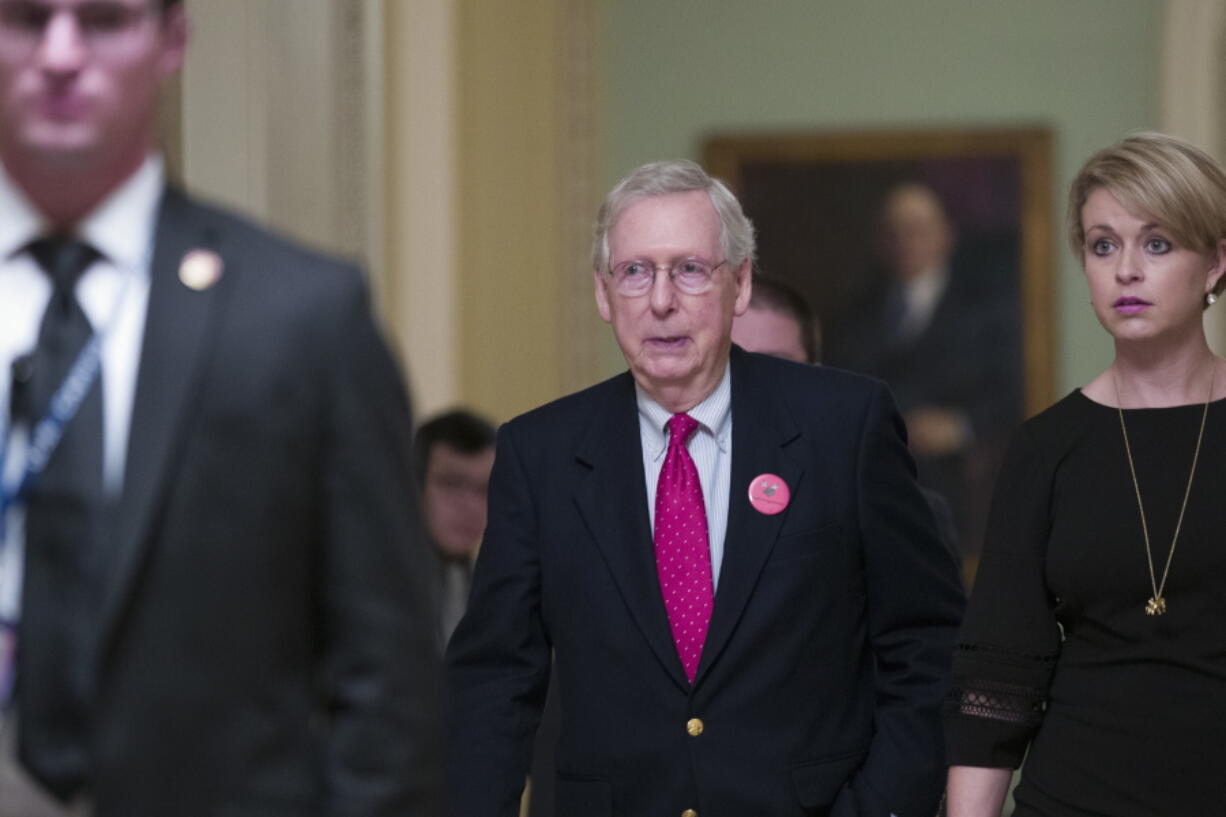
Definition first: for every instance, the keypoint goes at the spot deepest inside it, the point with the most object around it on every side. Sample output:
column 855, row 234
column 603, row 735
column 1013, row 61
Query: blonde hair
column 1165, row 178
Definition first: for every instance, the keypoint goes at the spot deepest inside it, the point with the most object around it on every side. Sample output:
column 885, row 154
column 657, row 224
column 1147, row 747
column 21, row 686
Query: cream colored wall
column 449, row 144
column 274, row 114
column 333, row 121
column 421, row 282
column 526, row 186
column 508, row 198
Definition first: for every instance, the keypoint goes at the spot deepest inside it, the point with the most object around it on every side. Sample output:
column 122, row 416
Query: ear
column 1217, row 267
column 174, row 39
column 744, row 287
column 602, row 296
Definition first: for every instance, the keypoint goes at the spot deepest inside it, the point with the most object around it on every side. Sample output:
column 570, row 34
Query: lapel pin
column 200, row 269
column 769, row 494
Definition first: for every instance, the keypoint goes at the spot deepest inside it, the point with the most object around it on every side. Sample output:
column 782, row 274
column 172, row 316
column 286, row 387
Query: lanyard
column 65, row 403
column 41, row 444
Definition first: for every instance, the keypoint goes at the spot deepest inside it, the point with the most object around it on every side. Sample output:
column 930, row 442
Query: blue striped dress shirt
column 711, row 449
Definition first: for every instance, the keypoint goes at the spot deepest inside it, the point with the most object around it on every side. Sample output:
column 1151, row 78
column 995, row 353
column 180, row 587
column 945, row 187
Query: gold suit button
column 689, row 812
column 694, row 727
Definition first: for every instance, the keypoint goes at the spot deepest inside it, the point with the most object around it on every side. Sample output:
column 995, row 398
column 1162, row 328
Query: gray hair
column 736, row 234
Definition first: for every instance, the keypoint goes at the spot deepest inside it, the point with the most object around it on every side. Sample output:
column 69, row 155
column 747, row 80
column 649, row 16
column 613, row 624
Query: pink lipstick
column 1129, row 305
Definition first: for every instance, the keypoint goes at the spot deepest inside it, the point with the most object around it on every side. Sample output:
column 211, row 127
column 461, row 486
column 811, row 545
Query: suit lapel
column 761, row 429
column 612, row 499
column 175, row 340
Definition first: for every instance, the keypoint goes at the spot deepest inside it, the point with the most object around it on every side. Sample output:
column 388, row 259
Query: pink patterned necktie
column 683, row 553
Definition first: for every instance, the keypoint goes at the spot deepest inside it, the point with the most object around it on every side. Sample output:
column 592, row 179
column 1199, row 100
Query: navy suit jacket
column 266, row 640
column 829, row 644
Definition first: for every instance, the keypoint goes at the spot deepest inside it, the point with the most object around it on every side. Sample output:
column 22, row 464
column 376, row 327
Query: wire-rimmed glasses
column 692, row 276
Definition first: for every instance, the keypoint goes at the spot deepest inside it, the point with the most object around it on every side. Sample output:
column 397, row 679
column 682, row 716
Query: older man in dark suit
column 750, row 610
column 211, row 578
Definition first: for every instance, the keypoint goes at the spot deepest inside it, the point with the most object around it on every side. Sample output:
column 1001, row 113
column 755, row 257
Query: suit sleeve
column 498, row 659
column 381, row 672
column 915, row 604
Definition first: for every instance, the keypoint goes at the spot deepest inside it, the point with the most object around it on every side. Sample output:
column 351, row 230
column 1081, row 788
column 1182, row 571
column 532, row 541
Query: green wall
column 678, row 70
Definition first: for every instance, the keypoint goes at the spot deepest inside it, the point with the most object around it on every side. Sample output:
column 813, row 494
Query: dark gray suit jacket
column 266, row 644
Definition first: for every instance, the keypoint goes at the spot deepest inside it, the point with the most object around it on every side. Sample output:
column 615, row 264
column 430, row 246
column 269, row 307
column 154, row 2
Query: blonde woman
column 1096, row 637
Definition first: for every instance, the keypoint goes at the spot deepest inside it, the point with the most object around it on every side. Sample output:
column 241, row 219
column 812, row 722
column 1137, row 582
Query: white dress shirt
column 920, row 300
column 113, row 293
column 711, row 449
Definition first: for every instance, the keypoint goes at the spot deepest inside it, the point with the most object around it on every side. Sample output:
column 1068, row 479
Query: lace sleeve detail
column 980, row 698
column 989, row 680
column 995, row 703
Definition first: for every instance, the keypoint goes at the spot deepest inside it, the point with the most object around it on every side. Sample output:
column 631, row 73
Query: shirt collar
column 120, row 228
column 925, row 290
column 714, row 416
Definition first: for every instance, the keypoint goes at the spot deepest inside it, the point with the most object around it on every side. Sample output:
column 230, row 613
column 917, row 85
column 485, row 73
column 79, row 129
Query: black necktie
column 62, row 560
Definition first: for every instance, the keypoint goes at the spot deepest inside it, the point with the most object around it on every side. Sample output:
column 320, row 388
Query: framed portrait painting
column 927, row 257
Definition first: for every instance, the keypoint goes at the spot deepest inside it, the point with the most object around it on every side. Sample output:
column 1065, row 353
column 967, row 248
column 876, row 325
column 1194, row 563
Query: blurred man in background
column 779, row 322
column 454, row 453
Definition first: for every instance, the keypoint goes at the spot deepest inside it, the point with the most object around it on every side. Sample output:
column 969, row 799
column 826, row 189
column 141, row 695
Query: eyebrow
column 1153, row 225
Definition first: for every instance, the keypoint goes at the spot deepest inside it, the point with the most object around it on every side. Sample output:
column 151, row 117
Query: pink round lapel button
column 769, row 494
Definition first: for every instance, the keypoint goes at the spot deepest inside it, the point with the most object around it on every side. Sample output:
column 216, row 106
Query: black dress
column 1124, row 713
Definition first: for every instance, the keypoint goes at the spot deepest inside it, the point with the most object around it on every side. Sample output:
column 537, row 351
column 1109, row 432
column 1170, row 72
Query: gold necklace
column 1156, row 605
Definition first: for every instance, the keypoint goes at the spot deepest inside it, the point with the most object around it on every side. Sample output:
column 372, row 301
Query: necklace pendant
column 1156, row 606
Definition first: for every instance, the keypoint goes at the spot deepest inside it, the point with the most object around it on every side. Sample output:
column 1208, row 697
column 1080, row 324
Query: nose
column 1129, row 269
column 663, row 292
column 63, row 47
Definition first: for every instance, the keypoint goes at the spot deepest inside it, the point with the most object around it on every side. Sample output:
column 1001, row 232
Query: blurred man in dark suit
column 454, row 452
column 212, row 591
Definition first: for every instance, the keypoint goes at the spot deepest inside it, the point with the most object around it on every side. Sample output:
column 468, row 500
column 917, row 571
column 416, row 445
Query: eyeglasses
column 105, row 26
column 693, row 276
